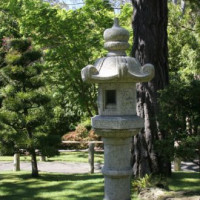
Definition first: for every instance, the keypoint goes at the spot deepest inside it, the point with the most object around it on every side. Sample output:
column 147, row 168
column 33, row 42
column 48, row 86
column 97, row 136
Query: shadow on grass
column 85, row 155
column 183, row 175
column 192, row 193
column 51, row 186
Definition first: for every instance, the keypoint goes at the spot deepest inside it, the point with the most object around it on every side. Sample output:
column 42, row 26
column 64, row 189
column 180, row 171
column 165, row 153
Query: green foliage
column 25, row 120
column 125, row 17
column 87, row 124
column 180, row 116
column 70, row 40
column 149, row 181
column 21, row 45
column 142, row 183
column 9, row 26
column 184, row 42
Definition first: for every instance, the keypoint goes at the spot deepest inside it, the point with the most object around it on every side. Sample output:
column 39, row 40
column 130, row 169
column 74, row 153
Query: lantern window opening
column 110, row 99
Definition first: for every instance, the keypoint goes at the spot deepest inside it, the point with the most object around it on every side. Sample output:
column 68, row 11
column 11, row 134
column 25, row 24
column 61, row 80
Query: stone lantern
column 116, row 76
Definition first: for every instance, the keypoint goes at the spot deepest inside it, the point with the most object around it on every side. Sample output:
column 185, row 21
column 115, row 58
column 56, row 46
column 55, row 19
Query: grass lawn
column 64, row 156
column 51, row 186
column 185, row 181
column 19, row 186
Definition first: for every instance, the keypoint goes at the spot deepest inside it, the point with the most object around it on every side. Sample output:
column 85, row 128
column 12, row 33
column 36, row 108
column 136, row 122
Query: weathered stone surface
column 117, row 69
column 16, row 163
column 116, row 133
column 122, row 188
column 117, row 122
column 117, row 155
column 116, row 40
column 117, row 169
column 125, row 99
column 177, row 164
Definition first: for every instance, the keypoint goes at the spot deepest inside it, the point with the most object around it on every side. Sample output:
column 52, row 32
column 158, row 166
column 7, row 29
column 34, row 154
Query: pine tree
column 23, row 113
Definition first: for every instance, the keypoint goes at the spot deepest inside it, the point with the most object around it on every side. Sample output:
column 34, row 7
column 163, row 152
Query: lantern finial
column 116, row 39
column 116, row 22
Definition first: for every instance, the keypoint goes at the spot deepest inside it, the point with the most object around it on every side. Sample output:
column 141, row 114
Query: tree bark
column 31, row 149
column 34, row 163
column 35, row 173
column 150, row 46
column 33, row 156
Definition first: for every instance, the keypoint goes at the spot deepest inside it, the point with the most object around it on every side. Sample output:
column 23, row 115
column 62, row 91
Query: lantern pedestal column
column 117, row 154
column 117, row 170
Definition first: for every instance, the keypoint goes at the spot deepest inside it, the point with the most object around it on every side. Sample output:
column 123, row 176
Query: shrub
column 83, row 132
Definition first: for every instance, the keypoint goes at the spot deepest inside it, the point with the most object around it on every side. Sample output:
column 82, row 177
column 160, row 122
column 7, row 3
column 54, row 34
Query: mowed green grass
column 77, row 157
column 64, row 156
column 51, row 186
column 184, row 181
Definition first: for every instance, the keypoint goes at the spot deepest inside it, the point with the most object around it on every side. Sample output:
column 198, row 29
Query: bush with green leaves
column 150, row 181
column 142, row 183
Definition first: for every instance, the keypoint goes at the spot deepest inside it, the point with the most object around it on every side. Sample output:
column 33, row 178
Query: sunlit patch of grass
column 77, row 157
column 10, row 158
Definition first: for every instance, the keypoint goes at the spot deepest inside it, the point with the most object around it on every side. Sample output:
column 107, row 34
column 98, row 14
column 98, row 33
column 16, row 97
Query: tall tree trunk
column 150, row 46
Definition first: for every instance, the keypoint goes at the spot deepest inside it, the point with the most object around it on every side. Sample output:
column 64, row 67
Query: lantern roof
column 116, row 66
